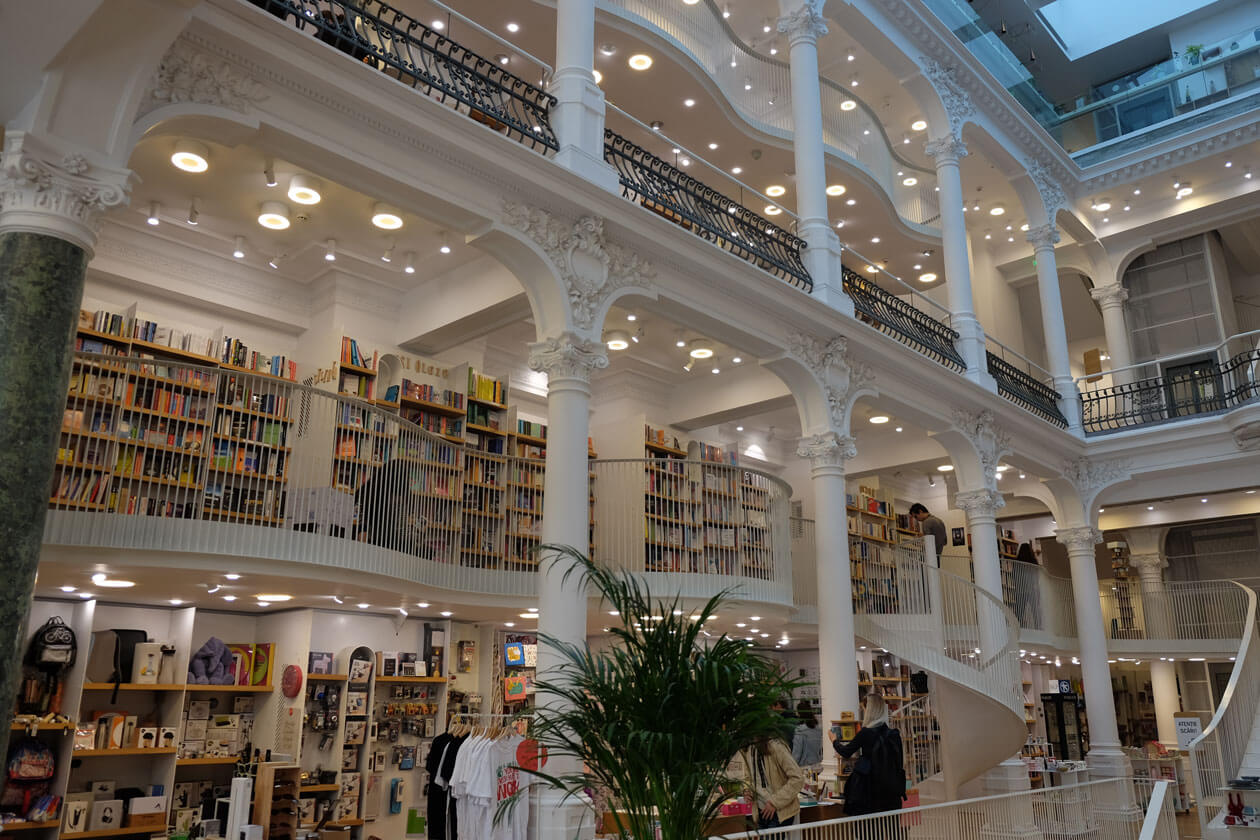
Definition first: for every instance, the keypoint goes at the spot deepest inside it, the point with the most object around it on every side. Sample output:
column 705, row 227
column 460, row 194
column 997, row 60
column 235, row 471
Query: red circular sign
column 291, row 681
column 531, row 755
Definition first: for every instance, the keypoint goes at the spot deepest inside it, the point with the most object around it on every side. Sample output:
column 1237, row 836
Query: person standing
column 877, row 782
column 931, row 525
column 807, row 741
column 772, row 781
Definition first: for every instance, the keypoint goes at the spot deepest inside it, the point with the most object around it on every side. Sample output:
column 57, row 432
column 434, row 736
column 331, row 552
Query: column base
column 1011, row 776
column 823, row 260
column 1069, row 403
column 593, row 169
column 971, row 348
column 1113, row 804
column 552, row 817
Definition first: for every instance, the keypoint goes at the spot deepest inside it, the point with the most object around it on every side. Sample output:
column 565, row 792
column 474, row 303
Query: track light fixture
column 409, row 262
column 269, row 173
column 192, row 212
column 154, row 209
column 238, row 247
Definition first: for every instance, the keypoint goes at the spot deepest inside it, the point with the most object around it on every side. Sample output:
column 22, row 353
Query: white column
column 981, row 508
column 837, row 671
column 803, row 25
column 1106, row 758
column 947, row 152
column 1111, row 300
column 1167, row 700
column 568, row 361
column 578, row 115
column 1043, row 240
column 1157, row 619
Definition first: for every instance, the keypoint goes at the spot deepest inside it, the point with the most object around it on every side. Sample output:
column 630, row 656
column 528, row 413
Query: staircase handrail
column 1225, row 738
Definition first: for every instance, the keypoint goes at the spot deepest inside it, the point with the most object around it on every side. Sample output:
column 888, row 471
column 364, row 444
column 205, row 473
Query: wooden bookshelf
column 123, row 751
column 206, row 762
column 113, row 832
column 107, row 686
column 236, row 689
column 24, row 825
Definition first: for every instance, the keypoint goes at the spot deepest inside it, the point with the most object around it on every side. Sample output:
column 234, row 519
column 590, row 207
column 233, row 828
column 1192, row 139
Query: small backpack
column 28, row 775
column 53, row 647
column 887, row 773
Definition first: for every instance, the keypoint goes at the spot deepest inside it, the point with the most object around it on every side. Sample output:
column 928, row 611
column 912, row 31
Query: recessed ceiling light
column 735, row 170
column 879, row 419
column 502, row 59
column 717, row 370
column 1249, row 492
column 191, row 156
column 909, row 181
column 919, row 125
column 274, row 215
column 363, row 606
column 639, row 61
column 927, row 277
column 840, row 223
column 874, row 240
column 1102, row 206
column 68, row 588
column 772, row 210
column 438, row 25
column 529, row 615
column 701, row 349
column 1185, row 191
column 275, row 598
column 848, row 105
column 995, row 210
column 898, row 429
column 945, row 468
column 229, row 597
column 835, row 189
column 775, row 190
column 608, row 49
column 754, row 618
column 111, row 583
column 1203, row 500
column 870, row 269
column 446, row 613
column 424, row 605
column 741, row 428
column 713, row 146
column 1024, row 227
column 513, row 27
column 175, row 602
column 690, row 103
column 1150, row 507
column 852, row 57
column 851, row 201
column 599, row 77
column 85, row 595
column 386, row 217
column 736, row 360
column 304, row 189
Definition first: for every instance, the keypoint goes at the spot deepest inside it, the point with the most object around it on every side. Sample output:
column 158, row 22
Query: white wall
column 1232, row 19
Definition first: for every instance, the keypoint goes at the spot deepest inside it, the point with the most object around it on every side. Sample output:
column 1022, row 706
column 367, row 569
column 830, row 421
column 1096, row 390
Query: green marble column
column 41, row 287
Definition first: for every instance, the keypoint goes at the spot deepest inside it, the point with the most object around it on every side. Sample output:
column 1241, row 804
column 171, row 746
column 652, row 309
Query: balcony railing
column 673, row 194
column 1209, row 389
column 1024, row 390
column 405, row 49
column 161, row 455
column 913, row 327
column 1192, row 611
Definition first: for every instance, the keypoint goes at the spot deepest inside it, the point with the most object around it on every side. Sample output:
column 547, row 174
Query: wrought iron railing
column 402, row 47
column 1025, row 391
column 1159, row 399
column 892, row 315
column 668, row 191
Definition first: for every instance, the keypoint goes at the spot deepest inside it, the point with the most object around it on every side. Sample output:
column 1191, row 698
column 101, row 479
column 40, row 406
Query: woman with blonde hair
column 878, row 780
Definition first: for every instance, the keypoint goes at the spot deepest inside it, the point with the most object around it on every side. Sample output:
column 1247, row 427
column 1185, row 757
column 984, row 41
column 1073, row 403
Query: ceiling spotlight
column 191, row 156
column 726, row 12
column 502, row 59
column 870, row 269
column 1184, row 191
column 304, row 189
column 909, row 181
column 388, row 255
column 690, row 103
column 716, row 370
column 851, row 201
column 68, row 588
column 1150, row 507
column 735, row 170
column 446, row 613
column 739, row 428
column 238, row 247
column 772, row 210
column 927, row 277
column 617, row 340
column 775, row 190
column 874, row 240
column 701, row 349
column 274, row 598
column 689, row 365
column 736, row 360
column 446, row 247
column 269, row 173
column 229, row 597
column 409, row 262
column 438, row 25
column 919, row 125
column 386, row 217
column 840, row 223
column 945, row 468
column 608, row 49
column 835, row 189
column 274, row 215
column 1102, row 206
column 513, row 27
column 1024, row 227
column 898, row 429
column 111, row 583
column 175, row 602
column 599, row 77
column 879, row 419
column 363, row 606
column 639, row 61
column 848, row 105
column 657, row 125
column 154, row 208
column 330, row 250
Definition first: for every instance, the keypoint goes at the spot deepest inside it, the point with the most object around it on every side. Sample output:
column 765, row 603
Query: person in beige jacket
column 772, row 781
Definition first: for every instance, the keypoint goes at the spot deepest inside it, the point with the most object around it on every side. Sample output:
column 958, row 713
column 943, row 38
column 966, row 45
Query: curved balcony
column 165, row 456
column 850, row 128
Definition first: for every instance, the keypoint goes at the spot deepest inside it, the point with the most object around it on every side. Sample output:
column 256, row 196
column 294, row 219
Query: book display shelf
column 672, row 523
column 156, row 438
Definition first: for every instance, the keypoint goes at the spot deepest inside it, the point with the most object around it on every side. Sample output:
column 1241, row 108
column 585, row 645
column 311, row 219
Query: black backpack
column 887, row 771
column 53, row 647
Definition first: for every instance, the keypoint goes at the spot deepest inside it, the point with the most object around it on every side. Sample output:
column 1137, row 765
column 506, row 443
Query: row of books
column 163, row 432
column 145, row 463
column 482, row 471
column 439, row 424
column 247, row 460
column 485, row 443
column 658, row 437
column 166, row 401
column 525, row 427
column 865, row 528
column 104, row 321
column 655, row 531
column 145, row 329
column 239, row 392
column 719, row 537
column 716, row 454
column 236, row 352
column 242, row 427
column 80, row 487
column 669, row 485
column 138, row 503
column 428, row 450
column 722, row 482
column 429, row 393
column 88, row 452
column 670, row 509
column 353, row 385
column 176, row 373
column 525, row 500
column 524, row 523
column 486, row 388
column 481, row 415
column 724, row 510
column 437, row 484
column 358, row 417
column 95, row 345
column 362, row 448
column 352, row 355
column 89, row 384
column 228, row 499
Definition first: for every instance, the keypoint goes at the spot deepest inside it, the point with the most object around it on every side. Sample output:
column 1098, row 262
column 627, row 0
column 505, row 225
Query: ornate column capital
column 990, row 441
column 567, row 356
column 805, row 24
column 1043, row 237
column 1089, row 478
column 946, row 150
column 1053, row 198
column 840, row 377
column 1078, row 540
column 56, row 191
column 828, row 451
column 954, row 97
column 1149, row 565
column 591, row 267
column 981, row 506
column 186, row 74
column 1110, row 296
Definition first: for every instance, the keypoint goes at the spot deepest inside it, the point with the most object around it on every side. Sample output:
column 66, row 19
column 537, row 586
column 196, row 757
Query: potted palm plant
column 657, row 716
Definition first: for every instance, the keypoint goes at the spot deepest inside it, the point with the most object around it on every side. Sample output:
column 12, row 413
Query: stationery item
column 107, row 815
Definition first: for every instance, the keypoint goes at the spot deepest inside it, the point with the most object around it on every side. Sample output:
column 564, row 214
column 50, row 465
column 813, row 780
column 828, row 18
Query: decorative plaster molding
column 990, row 441
column 839, row 376
column 946, row 150
column 567, row 356
column 979, row 504
column 1092, row 477
column 804, row 24
column 58, row 192
column 827, row 450
column 590, row 266
column 1049, row 186
column 1227, row 139
column 187, row 75
column 1110, row 295
column 1247, row 436
column 1078, row 540
column 1043, row 236
column 958, row 105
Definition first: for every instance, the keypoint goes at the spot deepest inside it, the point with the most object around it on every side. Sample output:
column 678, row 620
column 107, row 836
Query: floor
column 1188, row 826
